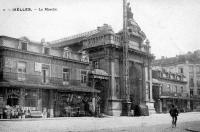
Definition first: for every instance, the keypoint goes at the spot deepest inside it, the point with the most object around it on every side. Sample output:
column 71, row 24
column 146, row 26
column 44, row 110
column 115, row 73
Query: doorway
column 13, row 100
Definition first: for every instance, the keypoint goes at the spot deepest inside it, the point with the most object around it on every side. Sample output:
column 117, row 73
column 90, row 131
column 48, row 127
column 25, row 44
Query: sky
column 172, row 26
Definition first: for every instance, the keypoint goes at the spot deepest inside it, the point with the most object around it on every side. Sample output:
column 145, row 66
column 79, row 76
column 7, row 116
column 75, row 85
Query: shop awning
column 156, row 82
column 46, row 86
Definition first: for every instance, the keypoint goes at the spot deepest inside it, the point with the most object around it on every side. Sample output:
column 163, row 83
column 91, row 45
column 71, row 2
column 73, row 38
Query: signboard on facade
column 38, row 67
column 10, row 63
column 133, row 45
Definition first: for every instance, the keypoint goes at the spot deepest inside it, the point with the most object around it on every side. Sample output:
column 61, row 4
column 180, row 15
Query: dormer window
column 84, row 57
column 23, row 46
column 66, row 53
column 46, row 50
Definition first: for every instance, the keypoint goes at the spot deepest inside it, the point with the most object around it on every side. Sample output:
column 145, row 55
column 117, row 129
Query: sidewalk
column 92, row 123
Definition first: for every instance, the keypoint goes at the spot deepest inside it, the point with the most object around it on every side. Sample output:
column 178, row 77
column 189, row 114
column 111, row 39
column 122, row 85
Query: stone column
column 143, row 91
column 150, row 102
column 39, row 100
column 159, row 105
column 113, row 88
column 51, row 103
column 146, row 84
column 195, row 80
column 150, row 83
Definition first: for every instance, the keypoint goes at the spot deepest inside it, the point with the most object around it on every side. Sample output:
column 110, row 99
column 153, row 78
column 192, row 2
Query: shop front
column 180, row 103
column 72, row 104
column 19, row 99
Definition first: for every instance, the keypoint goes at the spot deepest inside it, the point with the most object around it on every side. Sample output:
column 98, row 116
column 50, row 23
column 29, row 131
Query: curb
column 54, row 118
column 192, row 130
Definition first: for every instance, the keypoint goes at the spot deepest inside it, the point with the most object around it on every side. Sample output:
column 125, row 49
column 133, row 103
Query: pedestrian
column 174, row 113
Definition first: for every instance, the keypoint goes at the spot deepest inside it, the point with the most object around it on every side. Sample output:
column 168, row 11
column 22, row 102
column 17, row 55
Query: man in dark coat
column 174, row 113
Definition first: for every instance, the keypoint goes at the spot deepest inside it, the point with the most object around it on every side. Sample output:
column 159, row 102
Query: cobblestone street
column 156, row 122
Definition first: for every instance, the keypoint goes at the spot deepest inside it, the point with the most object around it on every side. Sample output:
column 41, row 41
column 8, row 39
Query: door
column 45, row 74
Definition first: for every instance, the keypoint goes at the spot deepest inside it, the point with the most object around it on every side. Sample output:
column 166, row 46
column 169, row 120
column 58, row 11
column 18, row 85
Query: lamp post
column 126, row 102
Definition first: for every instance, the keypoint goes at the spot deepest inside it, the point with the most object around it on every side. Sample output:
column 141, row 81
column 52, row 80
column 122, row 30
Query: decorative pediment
column 24, row 38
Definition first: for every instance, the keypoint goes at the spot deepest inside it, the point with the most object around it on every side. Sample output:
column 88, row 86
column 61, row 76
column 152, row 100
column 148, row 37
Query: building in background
column 36, row 76
column 169, row 88
column 189, row 66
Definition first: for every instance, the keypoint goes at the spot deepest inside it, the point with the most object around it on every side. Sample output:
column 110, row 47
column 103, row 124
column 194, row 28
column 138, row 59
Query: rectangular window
column 191, row 92
column 46, row 51
column 21, row 70
column 1, row 64
column 198, row 81
column 96, row 64
column 198, row 91
column 83, row 76
column 191, row 69
column 168, row 88
column 23, row 46
column 175, row 89
column 181, row 89
column 198, row 69
column 191, row 81
column 180, row 70
column 66, row 74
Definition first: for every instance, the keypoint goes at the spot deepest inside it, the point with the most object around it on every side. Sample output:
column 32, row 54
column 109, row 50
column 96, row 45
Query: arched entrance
column 135, row 77
column 13, row 96
column 100, row 85
column 99, row 79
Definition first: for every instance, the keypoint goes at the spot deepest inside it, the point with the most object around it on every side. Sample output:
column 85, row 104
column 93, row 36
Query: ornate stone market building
column 104, row 47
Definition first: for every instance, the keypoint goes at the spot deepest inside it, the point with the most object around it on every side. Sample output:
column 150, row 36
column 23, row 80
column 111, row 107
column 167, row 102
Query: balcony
column 169, row 94
column 38, row 79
